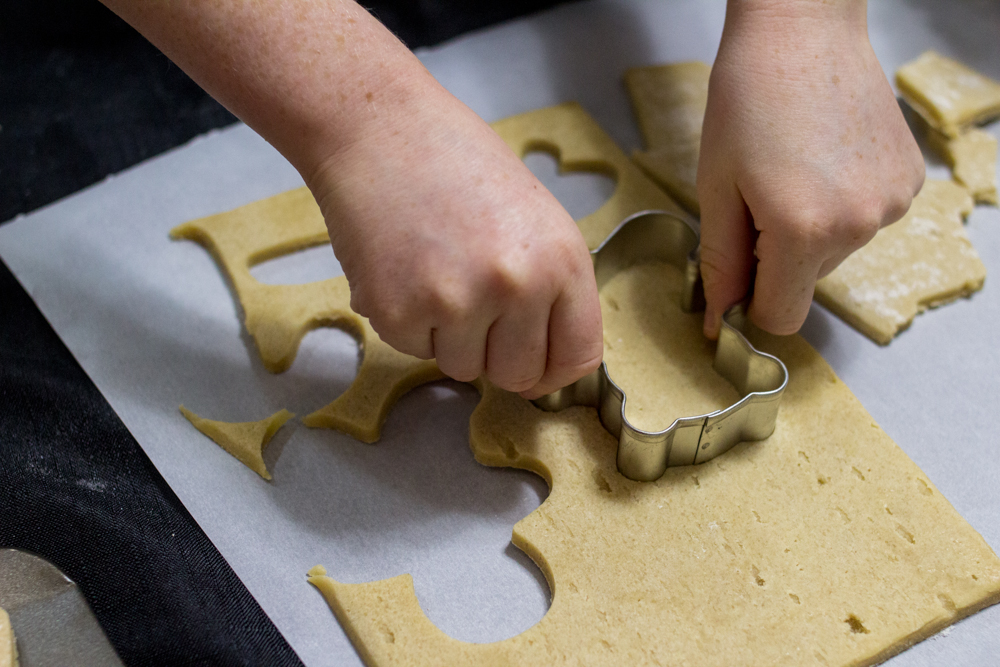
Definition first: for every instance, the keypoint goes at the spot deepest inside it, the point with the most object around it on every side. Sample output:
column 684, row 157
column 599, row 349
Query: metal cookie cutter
column 759, row 378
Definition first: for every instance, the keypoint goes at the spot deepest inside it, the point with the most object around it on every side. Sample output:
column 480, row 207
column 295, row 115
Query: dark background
column 83, row 96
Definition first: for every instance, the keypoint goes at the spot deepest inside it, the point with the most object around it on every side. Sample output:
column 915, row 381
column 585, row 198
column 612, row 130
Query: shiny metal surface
column 52, row 623
column 759, row 378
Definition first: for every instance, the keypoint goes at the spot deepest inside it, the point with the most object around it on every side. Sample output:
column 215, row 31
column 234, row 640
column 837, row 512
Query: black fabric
column 76, row 489
column 83, row 96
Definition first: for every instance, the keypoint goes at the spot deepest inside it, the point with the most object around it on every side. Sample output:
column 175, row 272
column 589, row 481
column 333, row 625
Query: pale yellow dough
column 972, row 157
column 669, row 103
column 244, row 440
column 8, row 644
column 578, row 142
column 822, row 545
column 922, row 261
column 950, row 96
column 278, row 316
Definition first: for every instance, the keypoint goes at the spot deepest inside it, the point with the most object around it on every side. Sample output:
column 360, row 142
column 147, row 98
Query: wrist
column 792, row 16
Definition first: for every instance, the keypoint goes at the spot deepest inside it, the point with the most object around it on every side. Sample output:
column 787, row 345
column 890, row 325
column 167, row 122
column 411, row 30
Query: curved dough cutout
column 244, row 440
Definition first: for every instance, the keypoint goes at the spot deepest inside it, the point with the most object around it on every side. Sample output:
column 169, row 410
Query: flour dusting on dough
column 922, row 261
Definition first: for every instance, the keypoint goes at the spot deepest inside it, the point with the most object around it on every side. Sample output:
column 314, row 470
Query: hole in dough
column 297, row 268
column 580, row 192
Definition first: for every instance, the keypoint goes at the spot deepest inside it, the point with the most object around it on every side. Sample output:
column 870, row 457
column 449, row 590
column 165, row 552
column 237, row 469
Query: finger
column 396, row 328
column 783, row 290
column 414, row 340
column 517, row 348
column 727, row 243
column 460, row 349
column 575, row 338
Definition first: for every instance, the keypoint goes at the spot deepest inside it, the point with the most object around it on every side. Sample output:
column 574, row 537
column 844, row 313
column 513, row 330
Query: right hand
column 455, row 251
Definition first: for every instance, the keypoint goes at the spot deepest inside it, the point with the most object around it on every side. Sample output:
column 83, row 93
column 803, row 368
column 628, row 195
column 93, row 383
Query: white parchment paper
column 154, row 325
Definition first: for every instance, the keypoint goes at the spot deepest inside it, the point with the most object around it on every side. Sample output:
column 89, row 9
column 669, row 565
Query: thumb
column 727, row 243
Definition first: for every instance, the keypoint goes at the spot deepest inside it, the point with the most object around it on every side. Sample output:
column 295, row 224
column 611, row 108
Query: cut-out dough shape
column 669, row 103
column 947, row 94
column 972, row 157
column 244, row 440
column 822, row 545
column 8, row 645
column 922, row 261
column 578, row 142
column 278, row 316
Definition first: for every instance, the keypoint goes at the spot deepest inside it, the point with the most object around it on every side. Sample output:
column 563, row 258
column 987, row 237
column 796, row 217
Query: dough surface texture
column 972, row 157
column 822, row 545
column 948, row 95
column 8, row 645
column 922, row 261
column 244, row 440
column 669, row 104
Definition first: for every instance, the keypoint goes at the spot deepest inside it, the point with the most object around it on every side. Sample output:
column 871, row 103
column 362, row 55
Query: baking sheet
column 154, row 325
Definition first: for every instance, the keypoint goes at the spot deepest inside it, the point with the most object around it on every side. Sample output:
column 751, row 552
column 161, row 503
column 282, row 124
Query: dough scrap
column 948, row 95
column 575, row 139
column 8, row 644
column 244, row 440
column 923, row 261
column 972, row 157
column 278, row 316
column 824, row 544
column 669, row 103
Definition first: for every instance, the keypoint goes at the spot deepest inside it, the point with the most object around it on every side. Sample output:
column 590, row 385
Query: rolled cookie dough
column 972, row 157
column 8, row 644
column 823, row 545
column 244, row 440
column 669, row 104
column 922, row 261
column 947, row 94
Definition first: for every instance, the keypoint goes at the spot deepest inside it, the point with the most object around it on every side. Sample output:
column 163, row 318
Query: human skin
column 455, row 251
column 804, row 156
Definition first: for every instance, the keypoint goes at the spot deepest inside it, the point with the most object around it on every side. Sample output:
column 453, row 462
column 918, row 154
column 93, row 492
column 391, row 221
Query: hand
column 805, row 155
column 455, row 251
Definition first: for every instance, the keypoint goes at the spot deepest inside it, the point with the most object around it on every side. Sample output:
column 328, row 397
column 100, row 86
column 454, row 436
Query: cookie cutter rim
column 760, row 378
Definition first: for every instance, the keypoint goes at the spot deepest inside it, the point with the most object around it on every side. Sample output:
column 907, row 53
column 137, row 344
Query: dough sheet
column 669, row 104
column 920, row 262
column 822, row 545
column 947, row 94
column 244, row 440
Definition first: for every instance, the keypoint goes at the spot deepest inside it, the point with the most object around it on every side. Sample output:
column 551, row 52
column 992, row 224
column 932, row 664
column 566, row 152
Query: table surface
column 154, row 325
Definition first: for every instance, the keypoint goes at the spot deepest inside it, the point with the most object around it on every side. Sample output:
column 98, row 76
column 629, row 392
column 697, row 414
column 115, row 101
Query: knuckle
column 449, row 300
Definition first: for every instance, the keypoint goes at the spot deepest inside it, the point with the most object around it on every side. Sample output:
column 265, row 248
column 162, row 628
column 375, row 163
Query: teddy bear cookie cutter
column 760, row 378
